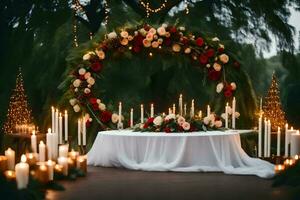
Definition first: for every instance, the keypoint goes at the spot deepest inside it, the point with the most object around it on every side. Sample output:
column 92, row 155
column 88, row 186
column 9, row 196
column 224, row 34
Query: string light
column 186, row 5
column 150, row 10
column 106, row 12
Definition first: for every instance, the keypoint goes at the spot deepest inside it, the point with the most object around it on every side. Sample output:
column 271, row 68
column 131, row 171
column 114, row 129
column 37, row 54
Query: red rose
column 93, row 100
column 167, row 130
column 184, row 40
column 199, row 41
column 167, row 41
column 95, row 107
column 81, row 77
column 150, row 120
column 105, row 116
column 236, row 65
column 210, row 53
column 96, row 66
column 220, row 50
column 173, row 29
column 147, row 27
column 138, row 40
column 136, row 49
column 214, row 75
column 227, row 93
column 88, row 123
column 203, row 59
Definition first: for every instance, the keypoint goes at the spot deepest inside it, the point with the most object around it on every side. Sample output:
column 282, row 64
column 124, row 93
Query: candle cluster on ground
column 288, row 163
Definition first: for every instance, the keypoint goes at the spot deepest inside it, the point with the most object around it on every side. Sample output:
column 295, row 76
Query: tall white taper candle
column 278, row 142
column 260, row 137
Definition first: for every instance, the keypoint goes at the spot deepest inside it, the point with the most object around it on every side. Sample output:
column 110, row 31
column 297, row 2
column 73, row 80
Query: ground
column 119, row 184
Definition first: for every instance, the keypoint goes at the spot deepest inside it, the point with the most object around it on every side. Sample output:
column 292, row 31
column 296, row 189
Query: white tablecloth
column 212, row 151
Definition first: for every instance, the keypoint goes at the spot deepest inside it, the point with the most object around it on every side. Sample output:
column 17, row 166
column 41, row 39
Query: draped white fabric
column 212, row 151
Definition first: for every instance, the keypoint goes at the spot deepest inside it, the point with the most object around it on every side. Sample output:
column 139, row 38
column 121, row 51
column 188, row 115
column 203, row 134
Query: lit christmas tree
column 272, row 106
column 19, row 119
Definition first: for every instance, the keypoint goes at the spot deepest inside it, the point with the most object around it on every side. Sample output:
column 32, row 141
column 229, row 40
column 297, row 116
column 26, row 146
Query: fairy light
column 150, row 10
column 106, row 12
column 186, row 5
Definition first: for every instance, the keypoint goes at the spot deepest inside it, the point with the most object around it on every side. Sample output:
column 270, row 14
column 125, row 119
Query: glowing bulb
column 150, row 54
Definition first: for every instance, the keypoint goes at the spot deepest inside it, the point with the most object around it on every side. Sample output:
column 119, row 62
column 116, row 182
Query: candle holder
column 82, row 163
column 42, row 174
column 71, row 163
column 10, row 175
column 31, row 159
column 279, row 168
column 58, row 169
column 3, row 163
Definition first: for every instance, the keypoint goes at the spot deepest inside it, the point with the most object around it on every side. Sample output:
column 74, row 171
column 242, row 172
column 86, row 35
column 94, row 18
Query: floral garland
column 207, row 53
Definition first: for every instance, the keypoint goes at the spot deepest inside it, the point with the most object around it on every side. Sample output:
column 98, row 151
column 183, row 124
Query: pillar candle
column 22, row 173
column 208, row 110
column 295, row 143
column 84, row 131
column 152, row 110
column 10, row 155
column 10, row 175
column 3, row 163
column 42, row 174
column 174, row 109
column 180, row 105
column 266, row 138
column 49, row 143
column 63, row 150
column 33, row 142
column 286, row 141
column 54, row 147
column 73, row 154
column 260, row 137
column 142, row 113
column 131, row 117
column 278, row 142
column 233, row 112
column 42, row 152
column 184, row 109
column 60, row 129
column 79, row 132
column 269, row 138
column 53, row 118
column 120, row 112
column 66, row 125
column 64, row 163
column 82, row 163
column 226, row 115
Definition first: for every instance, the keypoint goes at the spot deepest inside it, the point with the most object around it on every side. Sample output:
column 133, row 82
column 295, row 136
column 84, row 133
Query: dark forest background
column 37, row 35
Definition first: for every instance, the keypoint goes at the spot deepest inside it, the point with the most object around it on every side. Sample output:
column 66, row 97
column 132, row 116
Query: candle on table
column 266, row 138
column 22, row 173
column 3, row 163
column 60, row 129
column 260, row 136
column 278, row 142
column 63, row 150
column 142, row 113
column 73, row 154
column 185, row 109
column 269, row 138
column 42, row 174
column 226, row 115
column 64, row 163
column 53, row 118
column 286, row 141
column 31, row 159
column 279, row 168
column 174, row 108
column 180, row 105
column 42, row 151
column 208, row 110
column 233, row 112
column 66, row 125
column 56, row 122
column 49, row 143
column 79, row 132
column 131, row 117
column 33, row 142
column 200, row 114
column 84, row 131
column 152, row 110
column 81, row 163
column 120, row 112
column 170, row 111
column 10, row 175
column 192, row 112
column 295, row 143
column 10, row 155
column 58, row 169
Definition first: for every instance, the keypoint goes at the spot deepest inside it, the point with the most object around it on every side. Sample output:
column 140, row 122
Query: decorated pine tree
column 272, row 106
column 19, row 113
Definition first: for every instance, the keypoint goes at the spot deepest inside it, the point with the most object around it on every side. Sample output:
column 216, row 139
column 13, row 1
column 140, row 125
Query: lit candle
column 131, row 117
column 192, row 112
column 22, row 173
column 180, row 105
column 10, row 175
column 185, row 109
column 81, row 163
column 79, row 132
column 170, row 111
column 53, row 118
column 208, row 110
column 279, row 168
column 152, row 110
column 226, row 115
column 10, row 155
column 60, row 131
column 142, row 113
column 120, row 112
column 42, row 174
column 66, row 125
column 64, row 163
column 278, row 142
column 174, row 109
column 286, row 141
column 33, row 142
column 83, row 131
column 31, row 159
column 56, row 122
column 295, row 143
column 200, row 114
column 266, row 139
column 73, row 154
column 233, row 112
column 58, row 169
column 269, row 138
column 42, row 152
column 3, row 163
column 50, row 165
column 260, row 137
column 49, row 143
column 63, row 150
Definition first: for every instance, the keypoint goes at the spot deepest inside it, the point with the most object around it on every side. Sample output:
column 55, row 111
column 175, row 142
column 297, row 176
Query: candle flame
column 23, row 158
column 49, row 130
column 33, row 132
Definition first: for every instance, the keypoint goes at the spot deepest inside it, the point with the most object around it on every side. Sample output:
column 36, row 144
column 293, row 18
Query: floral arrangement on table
column 207, row 53
column 176, row 123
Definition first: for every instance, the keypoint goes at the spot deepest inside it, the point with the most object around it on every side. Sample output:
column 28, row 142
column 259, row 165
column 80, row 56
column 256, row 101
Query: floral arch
column 208, row 53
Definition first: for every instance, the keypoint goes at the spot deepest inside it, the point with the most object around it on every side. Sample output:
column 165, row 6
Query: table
column 211, row 151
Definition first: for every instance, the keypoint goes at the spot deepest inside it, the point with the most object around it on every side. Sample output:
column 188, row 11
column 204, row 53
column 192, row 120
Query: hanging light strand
column 186, row 6
column 106, row 12
column 150, row 10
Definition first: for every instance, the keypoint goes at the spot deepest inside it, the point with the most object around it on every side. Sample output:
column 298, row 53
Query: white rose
column 218, row 124
column 112, row 35
column 237, row 114
column 217, row 67
column 181, row 28
column 130, row 38
column 87, row 90
column 76, row 90
column 233, row 86
column 88, row 55
column 187, row 50
column 219, row 87
column 170, row 116
column 164, row 25
column 206, row 120
column 152, row 31
column 149, row 37
column 87, row 75
column 73, row 101
column 158, row 121
column 224, row 58
column 154, row 44
column 143, row 32
column 76, row 108
column 180, row 120
column 100, row 54
column 98, row 101
column 212, row 117
column 161, row 31
column 77, row 83
column 91, row 81
column 81, row 71
column 114, row 118
column 186, row 126
column 160, row 41
column 208, row 65
column 223, row 115
column 102, row 106
column 176, row 47
column 222, row 46
column 215, row 39
column 124, row 34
